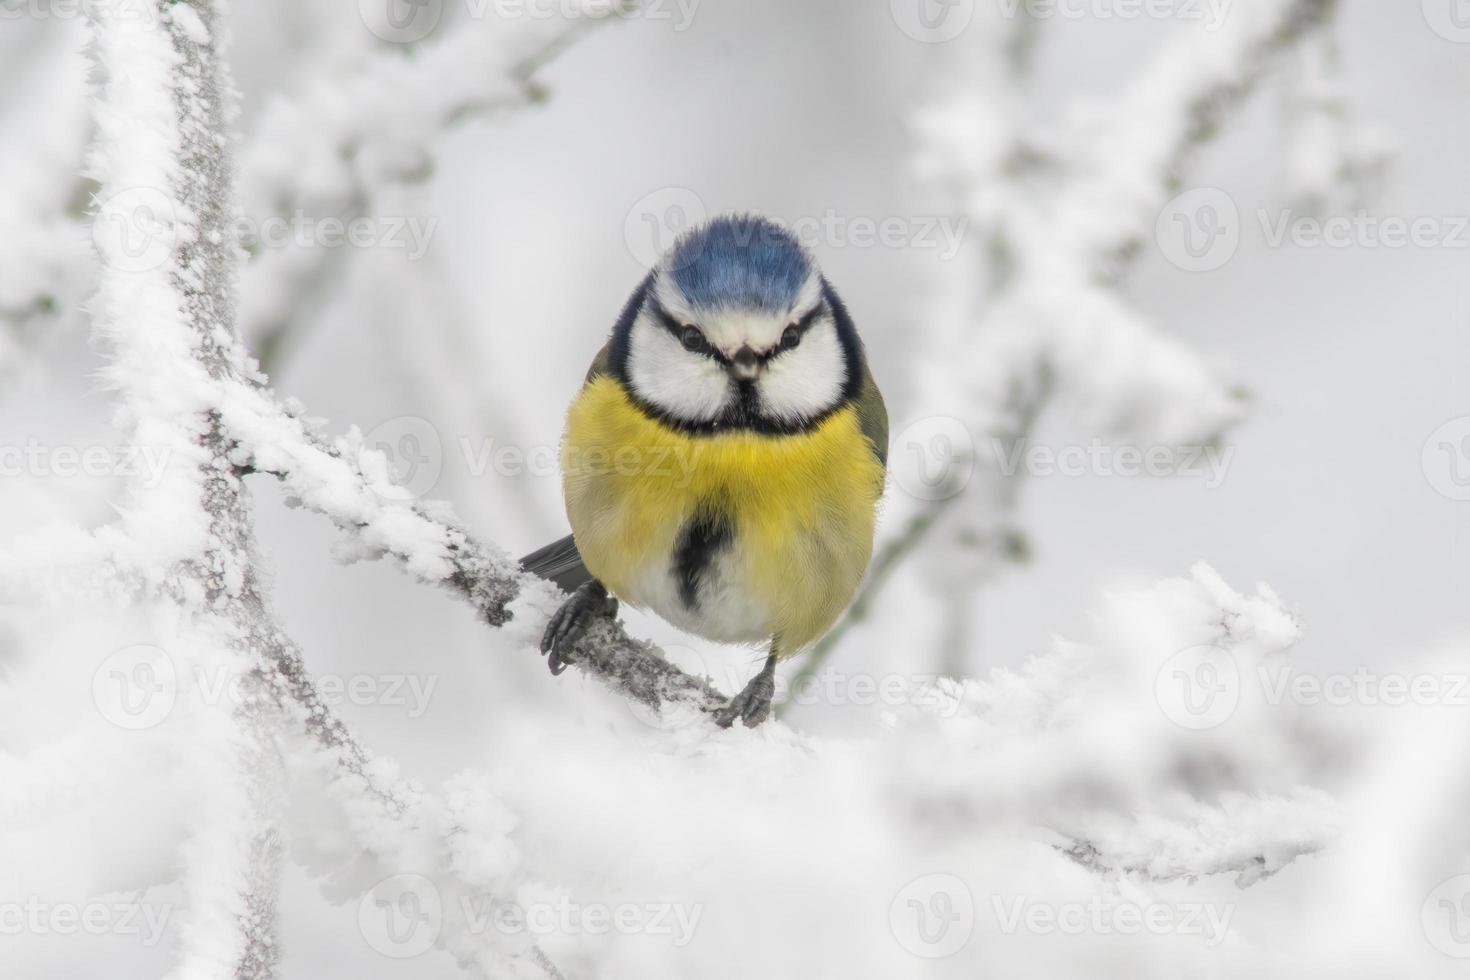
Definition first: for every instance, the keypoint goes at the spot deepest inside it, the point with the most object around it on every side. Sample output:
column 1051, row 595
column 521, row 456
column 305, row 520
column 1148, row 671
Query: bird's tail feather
column 559, row 562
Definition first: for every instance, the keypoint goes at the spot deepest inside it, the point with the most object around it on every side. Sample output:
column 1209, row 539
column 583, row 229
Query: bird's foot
column 570, row 621
column 753, row 704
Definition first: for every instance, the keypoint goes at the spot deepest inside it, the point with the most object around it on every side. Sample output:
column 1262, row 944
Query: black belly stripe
column 700, row 541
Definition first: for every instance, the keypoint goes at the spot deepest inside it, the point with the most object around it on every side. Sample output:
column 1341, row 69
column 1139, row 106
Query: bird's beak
column 745, row 365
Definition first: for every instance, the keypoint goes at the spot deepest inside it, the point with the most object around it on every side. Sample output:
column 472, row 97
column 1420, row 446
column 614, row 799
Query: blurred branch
column 353, row 133
column 1067, row 211
column 46, row 264
column 168, row 329
column 320, row 152
column 1332, row 159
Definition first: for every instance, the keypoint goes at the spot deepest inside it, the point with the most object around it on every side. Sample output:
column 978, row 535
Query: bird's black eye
column 790, row 337
column 691, row 337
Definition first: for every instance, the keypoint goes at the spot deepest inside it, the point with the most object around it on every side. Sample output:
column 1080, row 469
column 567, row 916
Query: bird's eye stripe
column 677, row 331
column 789, row 341
column 667, row 322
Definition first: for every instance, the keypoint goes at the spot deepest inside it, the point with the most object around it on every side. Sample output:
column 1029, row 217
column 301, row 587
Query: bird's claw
column 753, row 704
column 569, row 622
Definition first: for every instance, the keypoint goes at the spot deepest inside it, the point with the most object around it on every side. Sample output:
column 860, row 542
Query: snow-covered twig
column 169, row 326
column 1064, row 210
column 330, row 150
column 351, row 483
column 186, row 387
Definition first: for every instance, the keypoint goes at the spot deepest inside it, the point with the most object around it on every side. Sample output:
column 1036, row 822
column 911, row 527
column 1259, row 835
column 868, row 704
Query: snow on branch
column 351, row 483
column 1059, row 211
column 333, row 148
column 1006, row 760
column 1118, row 748
column 326, row 148
column 168, row 325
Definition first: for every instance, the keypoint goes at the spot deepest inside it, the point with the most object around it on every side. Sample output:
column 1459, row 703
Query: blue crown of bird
column 723, row 461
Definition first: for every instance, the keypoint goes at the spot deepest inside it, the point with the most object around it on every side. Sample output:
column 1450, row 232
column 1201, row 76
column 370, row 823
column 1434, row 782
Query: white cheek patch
column 807, row 380
column 687, row 385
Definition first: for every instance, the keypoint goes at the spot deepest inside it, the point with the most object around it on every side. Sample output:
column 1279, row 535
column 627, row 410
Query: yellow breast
column 800, row 508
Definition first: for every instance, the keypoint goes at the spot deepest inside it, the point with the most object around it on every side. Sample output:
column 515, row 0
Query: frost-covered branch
column 1113, row 723
column 352, row 484
column 168, row 323
column 332, row 149
column 327, row 148
column 1063, row 210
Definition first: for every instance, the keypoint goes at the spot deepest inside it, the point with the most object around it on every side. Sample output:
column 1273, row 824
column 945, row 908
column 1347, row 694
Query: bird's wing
column 872, row 414
column 600, row 364
column 559, row 562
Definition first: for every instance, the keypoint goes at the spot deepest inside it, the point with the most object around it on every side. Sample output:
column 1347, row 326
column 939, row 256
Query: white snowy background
column 1212, row 722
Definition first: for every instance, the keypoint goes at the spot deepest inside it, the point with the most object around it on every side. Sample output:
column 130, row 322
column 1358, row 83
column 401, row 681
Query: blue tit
column 723, row 462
